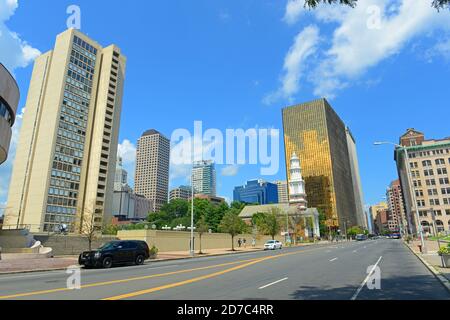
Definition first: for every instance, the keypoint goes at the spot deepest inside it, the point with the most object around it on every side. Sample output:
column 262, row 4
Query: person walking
column 239, row 242
column 253, row 242
column 245, row 243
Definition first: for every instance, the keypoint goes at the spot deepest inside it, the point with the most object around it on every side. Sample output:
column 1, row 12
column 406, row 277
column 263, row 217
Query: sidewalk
column 431, row 257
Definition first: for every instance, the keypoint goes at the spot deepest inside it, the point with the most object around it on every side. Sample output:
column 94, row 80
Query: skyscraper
column 152, row 168
column 317, row 135
column 9, row 99
column 356, row 179
column 283, row 196
column 204, row 178
column 66, row 156
column 256, row 191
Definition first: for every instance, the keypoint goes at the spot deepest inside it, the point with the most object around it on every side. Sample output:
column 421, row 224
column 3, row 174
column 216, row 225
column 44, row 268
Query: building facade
column 182, row 192
column 283, row 196
column 428, row 187
column 356, row 179
column 66, row 155
column 213, row 199
column 382, row 221
column 204, row 178
column 317, row 135
column 256, row 192
column 397, row 217
column 152, row 168
column 9, row 99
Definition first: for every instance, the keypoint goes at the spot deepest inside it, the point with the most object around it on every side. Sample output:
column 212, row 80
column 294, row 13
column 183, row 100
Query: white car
column 273, row 245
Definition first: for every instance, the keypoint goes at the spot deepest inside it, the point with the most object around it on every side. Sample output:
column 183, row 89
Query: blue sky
column 235, row 64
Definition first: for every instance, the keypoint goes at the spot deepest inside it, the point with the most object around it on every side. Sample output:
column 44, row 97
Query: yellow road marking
column 208, row 276
column 105, row 283
column 97, row 284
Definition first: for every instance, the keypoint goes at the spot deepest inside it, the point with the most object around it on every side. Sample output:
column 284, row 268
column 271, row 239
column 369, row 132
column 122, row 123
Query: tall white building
column 66, row 155
column 204, row 178
column 297, row 194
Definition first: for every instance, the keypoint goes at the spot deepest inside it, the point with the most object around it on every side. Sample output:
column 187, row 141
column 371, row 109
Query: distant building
column 128, row 206
column 204, row 178
column 316, row 134
column 256, row 191
column 429, row 187
column 283, row 196
column 212, row 199
column 397, row 216
column 182, row 192
column 9, row 99
column 65, row 161
column 152, row 168
column 373, row 210
column 382, row 221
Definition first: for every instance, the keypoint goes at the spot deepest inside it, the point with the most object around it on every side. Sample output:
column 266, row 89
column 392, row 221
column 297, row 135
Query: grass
column 446, row 238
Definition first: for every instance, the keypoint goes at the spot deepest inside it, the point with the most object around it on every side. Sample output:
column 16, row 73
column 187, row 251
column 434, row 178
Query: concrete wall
column 167, row 241
column 70, row 245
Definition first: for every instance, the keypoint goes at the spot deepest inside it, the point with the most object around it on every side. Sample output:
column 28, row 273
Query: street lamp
column 410, row 182
column 191, row 245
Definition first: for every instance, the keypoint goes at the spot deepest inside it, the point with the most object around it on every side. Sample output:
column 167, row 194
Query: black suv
column 116, row 252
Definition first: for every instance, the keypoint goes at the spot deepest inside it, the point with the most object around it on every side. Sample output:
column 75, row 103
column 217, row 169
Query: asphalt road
column 336, row 271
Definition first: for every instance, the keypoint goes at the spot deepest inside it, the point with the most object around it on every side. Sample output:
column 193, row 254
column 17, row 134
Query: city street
column 332, row 271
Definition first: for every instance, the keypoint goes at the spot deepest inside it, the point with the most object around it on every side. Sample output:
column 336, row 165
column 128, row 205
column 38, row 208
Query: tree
column 89, row 229
column 269, row 223
column 438, row 4
column 201, row 228
column 233, row 225
column 353, row 231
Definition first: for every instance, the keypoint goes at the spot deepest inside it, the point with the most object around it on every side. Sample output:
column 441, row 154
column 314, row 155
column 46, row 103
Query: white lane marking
column 333, row 259
column 271, row 284
column 366, row 279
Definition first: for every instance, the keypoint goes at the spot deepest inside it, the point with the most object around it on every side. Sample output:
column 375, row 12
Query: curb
column 443, row 280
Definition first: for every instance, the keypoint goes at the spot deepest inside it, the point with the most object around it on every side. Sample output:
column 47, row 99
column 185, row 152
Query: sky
column 384, row 67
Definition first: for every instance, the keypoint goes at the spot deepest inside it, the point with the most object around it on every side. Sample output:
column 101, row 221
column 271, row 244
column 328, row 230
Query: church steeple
column 297, row 195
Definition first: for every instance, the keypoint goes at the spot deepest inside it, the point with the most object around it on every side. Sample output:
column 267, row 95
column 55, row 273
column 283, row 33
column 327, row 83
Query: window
column 440, row 161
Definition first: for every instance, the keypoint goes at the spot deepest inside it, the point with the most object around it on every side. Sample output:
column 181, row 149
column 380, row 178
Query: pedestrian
column 239, row 242
column 253, row 242
column 245, row 243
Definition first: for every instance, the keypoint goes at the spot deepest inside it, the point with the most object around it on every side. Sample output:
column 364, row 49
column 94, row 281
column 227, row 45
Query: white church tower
column 297, row 194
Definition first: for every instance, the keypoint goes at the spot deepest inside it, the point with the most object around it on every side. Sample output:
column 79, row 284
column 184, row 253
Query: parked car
column 361, row 237
column 116, row 252
column 395, row 236
column 273, row 245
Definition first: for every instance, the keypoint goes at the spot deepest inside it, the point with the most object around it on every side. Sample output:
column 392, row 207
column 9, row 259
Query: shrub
column 153, row 251
column 444, row 250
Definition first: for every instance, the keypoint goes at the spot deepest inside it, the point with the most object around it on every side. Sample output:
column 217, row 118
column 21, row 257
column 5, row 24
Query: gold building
column 318, row 136
column 65, row 163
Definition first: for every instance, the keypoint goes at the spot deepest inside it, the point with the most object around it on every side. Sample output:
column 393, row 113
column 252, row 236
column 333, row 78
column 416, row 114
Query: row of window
column 433, row 202
column 428, row 153
column 84, row 45
column 64, row 175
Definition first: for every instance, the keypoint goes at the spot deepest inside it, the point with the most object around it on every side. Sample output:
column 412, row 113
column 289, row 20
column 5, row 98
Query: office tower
column 204, row 178
column 182, row 192
column 397, row 217
column 356, row 180
column 428, row 183
column 283, row 196
column 256, row 191
column 66, row 155
column 121, row 177
column 382, row 221
column 152, row 168
column 9, row 99
column 316, row 134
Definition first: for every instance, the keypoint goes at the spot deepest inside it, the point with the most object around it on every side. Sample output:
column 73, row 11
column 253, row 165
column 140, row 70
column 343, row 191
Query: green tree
column 201, row 228
column 233, row 225
column 438, row 4
column 353, row 231
column 269, row 223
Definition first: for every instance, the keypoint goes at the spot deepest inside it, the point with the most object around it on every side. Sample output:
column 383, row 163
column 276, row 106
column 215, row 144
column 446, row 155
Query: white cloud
column 230, row 171
column 14, row 52
column 127, row 151
column 364, row 36
column 305, row 45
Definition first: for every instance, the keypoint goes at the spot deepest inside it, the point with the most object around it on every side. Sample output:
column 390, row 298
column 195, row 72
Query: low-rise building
column 182, row 192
